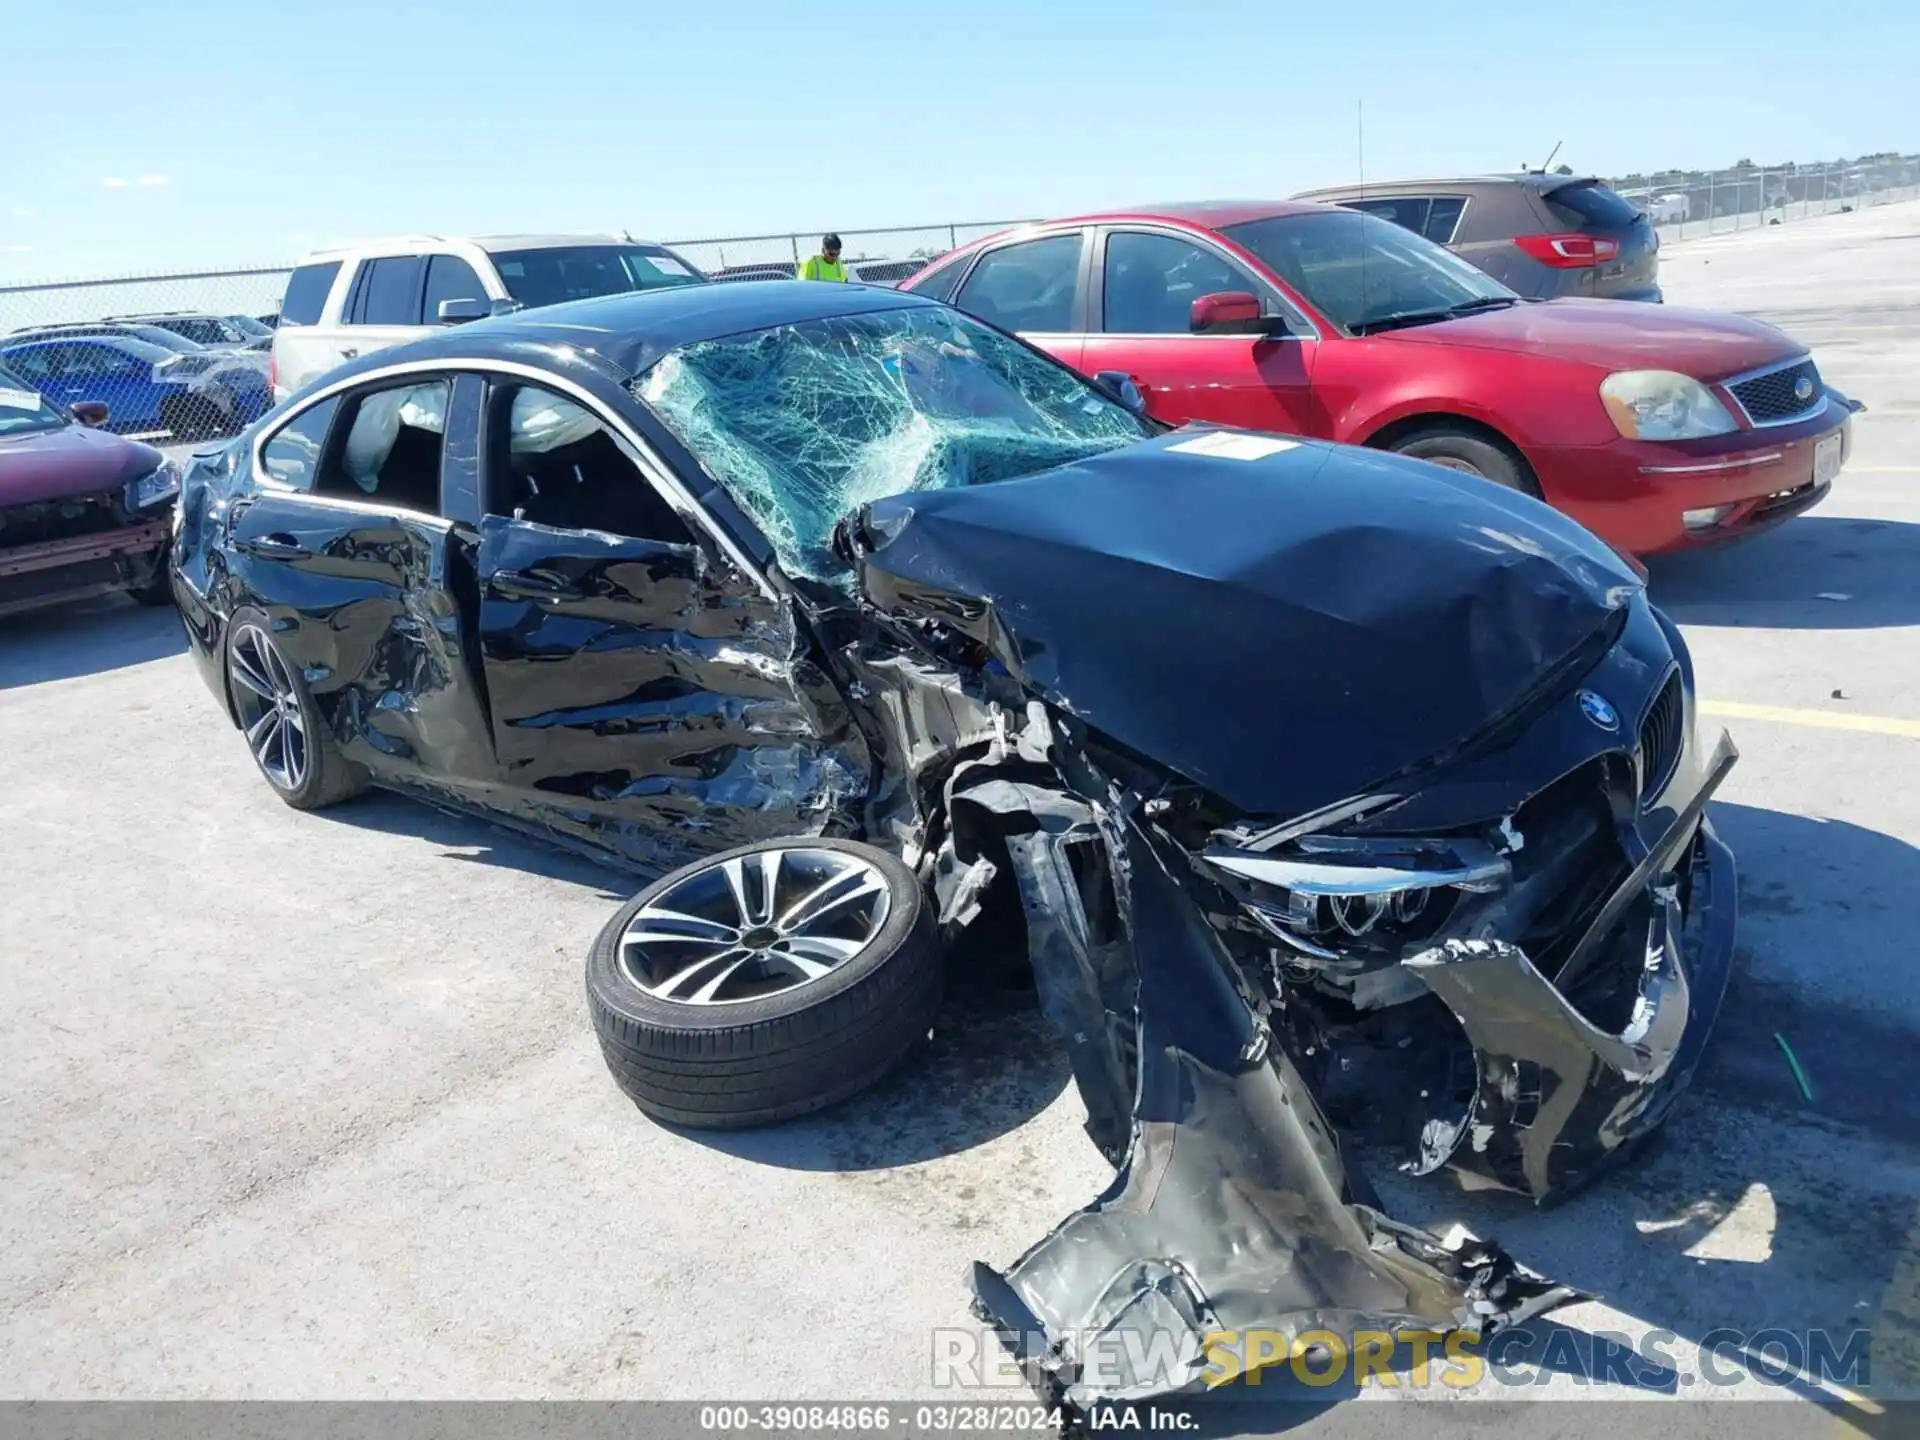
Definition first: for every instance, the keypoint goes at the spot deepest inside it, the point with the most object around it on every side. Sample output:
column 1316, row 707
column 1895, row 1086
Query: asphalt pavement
column 307, row 1106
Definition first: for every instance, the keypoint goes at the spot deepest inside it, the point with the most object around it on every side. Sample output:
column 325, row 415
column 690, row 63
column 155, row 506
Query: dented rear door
column 367, row 601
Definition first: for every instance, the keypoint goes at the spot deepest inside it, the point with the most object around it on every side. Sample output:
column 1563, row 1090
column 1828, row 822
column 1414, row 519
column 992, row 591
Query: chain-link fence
column 1686, row 203
column 186, row 353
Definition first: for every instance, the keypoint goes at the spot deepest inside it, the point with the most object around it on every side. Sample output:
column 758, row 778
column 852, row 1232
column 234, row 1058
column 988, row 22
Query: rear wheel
column 295, row 751
column 1458, row 448
column 765, row 982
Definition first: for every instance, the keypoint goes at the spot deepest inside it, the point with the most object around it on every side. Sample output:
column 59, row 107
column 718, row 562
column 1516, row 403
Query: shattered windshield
column 804, row 423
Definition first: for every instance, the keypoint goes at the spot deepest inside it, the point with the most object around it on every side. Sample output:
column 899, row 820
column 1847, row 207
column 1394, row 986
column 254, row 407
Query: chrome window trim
column 1186, row 335
column 631, row 443
column 357, row 507
column 1813, row 407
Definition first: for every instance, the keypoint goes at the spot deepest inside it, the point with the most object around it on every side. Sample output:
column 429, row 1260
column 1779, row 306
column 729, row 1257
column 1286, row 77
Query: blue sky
column 161, row 136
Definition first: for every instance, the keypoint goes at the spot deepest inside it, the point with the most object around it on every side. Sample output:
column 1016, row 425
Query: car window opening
column 393, row 449
column 563, row 470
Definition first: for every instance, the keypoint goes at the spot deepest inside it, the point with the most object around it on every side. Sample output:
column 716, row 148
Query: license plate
column 1827, row 455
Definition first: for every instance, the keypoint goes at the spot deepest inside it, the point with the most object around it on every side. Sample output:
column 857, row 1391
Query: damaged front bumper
column 1234, row 1212
column 1558, row 1100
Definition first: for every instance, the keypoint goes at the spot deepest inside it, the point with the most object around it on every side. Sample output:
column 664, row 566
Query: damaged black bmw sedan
column 1302, row 781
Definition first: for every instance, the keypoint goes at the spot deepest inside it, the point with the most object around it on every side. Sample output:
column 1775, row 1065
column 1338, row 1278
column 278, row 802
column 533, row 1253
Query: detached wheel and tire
column 1460, row 449
column 765, row 982
column 296, row 753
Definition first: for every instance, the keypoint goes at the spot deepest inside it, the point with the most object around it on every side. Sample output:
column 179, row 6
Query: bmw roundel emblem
column 1599, row 711
column 1803, row 389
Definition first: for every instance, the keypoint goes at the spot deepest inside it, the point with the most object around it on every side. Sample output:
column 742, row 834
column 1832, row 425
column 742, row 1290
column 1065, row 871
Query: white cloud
column 114, row 182
column 21, row 212
column 155, row 180
column 18, row 249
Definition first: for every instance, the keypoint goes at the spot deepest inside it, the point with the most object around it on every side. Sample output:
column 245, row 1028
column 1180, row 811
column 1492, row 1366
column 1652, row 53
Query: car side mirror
column 91, row 413
column 1229, row 312
column 458, row 312
column 1124, row 388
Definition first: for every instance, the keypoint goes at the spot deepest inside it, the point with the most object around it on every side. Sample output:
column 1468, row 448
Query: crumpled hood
column 1285, row 631
column 55, row 464
column 1615, row 335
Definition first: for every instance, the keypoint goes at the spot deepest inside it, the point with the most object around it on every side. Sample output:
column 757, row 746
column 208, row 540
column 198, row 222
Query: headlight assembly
column 1663, row 405
column 1325, row 894
column 160, row 484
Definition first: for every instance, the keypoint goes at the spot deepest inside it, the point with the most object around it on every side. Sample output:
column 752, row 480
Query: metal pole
column 1709, row 202
column 1824, row 171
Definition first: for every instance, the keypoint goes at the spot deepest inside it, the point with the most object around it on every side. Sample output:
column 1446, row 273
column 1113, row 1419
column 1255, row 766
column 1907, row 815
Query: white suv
column 344, row 303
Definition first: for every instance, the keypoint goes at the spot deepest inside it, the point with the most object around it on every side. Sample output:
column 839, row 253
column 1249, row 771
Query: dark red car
column 82, row 513
column 1656, row 427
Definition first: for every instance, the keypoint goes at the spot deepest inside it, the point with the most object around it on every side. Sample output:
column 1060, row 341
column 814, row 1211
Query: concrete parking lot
column 306, row 1106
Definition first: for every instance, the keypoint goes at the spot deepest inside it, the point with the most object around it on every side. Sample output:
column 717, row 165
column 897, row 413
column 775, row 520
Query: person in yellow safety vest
column 826, row 265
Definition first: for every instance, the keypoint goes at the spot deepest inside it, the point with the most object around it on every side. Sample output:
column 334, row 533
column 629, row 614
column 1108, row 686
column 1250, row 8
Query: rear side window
column 448, row 278
column 393, row 446
column 1591, row 206
column 292, row 456
column 307, row 290
column 1026, row 287
column 1443, row 218
column 389, row 292
column 1409, row 212
column 937, row 284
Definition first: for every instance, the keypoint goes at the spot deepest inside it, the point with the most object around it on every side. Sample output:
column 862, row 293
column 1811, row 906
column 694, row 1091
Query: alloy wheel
column 269, row 705
column 755, row 925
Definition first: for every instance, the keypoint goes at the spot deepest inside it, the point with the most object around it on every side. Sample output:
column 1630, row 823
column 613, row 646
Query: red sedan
column 1656, row 427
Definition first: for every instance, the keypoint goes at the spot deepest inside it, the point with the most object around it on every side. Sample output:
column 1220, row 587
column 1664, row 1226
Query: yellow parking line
column 1819, row 719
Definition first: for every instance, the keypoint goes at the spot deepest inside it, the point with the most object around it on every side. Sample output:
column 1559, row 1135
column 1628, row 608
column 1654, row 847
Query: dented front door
column 648, row 697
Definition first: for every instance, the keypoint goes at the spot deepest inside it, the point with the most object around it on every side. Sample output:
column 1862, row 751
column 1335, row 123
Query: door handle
column 520, row 585
column 274, row 547
column 349, row 353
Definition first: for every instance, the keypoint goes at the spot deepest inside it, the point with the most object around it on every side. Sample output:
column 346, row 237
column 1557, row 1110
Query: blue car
column 145, row 388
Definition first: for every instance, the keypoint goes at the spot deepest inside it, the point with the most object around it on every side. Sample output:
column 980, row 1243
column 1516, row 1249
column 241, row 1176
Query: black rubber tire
column 331, row 777
column 758, row 1062
column 1461, row 447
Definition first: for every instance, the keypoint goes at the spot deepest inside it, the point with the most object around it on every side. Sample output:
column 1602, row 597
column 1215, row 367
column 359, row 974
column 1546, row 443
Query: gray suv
column 1542, row 235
